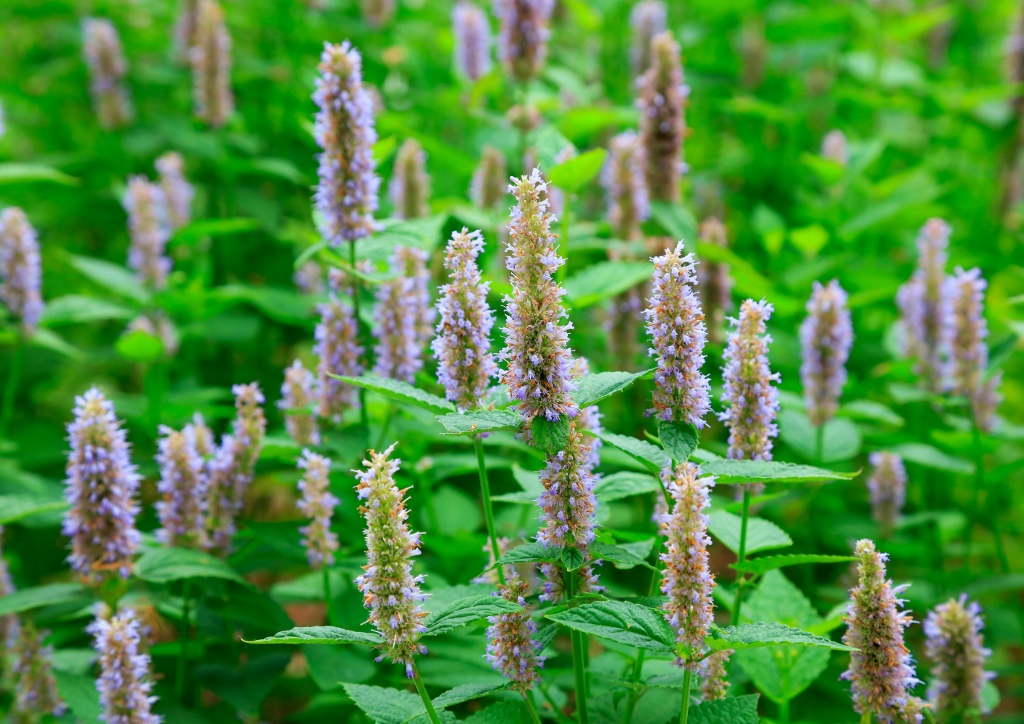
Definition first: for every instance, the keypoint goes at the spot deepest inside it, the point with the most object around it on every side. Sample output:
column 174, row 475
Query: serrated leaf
column 730, row 472
column 766, row 633
column 163, row 565
column 618, row 555
column 465, row 611
column 112, row 277
column 761, row 534
column 621, row 621
column 624, row 485
column 758, row 566
column 572, row 558
column 650, row 455
column 458, row 695
column 605, row 280
column 730, row 710
column 327, row 635
column 384, row 706
column 679, row 439
column 528, row 553
column 473, row 423
column 400, row 392
column 511, row 711
column 575, row 173
column 52, row 594
column 550, row 436
column 593, row 388
column 16, row 507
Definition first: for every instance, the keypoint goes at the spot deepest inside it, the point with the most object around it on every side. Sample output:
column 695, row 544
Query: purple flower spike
column 378, row 13
column 490, row 180
column 625, row 184
column 472, row 40
column 714, row 672
column 147, row 223
column 511, row 647
column 100, row 488
column 410, row 184
column 648, row 18
column 107, row 68
column 124, row 684
column 957, row 651
column 662, row 126
column 35, row 688
column 346, row 196
column 339, row 353
column 20, row 268
column 826, row 336
column 714, row 280
column 317, row 503
column 210, row 56
column 966, row 294
column 676, row 325
column 523, row 38
column 177, row 191
column 888, row 488
column 299, row 396
column 183, row 486
column 687, row 580
column 881, row 670
column 390, row 591
column 404, row 316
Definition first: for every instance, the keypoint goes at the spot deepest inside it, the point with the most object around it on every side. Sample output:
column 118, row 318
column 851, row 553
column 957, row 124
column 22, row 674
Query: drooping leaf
column 728, row 472
column 529, row 553
column 400, row 392
column 761, row 534
column 550, row 436
column 604, row 280
column 51, row 594
column 765, row 633
column 331, row 665
column 621, row 621
column 758, row 566
column 328, row 635
column 16, row 507
column 473, row 423
column 679, row 439
column 650, row 455
column 730, row 710
column 624, row 485
column 618, row 555
column 163, row 565
column 931, row 457
column 510, row 711
column 575, row 173
column 76, row 309
column 598, row 386
column 23, row 173
column 112, row 277
column 466, row 611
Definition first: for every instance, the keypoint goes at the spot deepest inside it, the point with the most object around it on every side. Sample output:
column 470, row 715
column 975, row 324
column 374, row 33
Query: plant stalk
column 359, row 328
column 563, row 242
column 13, row 378
column 641, row 654
column 485, row 490
column 531, row 707
column 684, row 714
column 742, row 556
column 427, row 704
column 182, row 672
column 577, row 653
column 328, row 598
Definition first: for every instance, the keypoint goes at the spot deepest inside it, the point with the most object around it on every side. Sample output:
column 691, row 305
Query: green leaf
column 331, row 665
column 761, row 534
column 594, row 388
column 466, row 611
column 400, row 392
column 528, row 553
column 872, row 411
column 758, row 566
column 245, row 687
column 620, row 621
column 765, row 633
column 473, row 423
column 676, row 220
column 679, row 439
column 112, row 277
column 52, row 594
column 139, row 346
column 931, row 457
column 281, row 305
column 618, row 555
column 76, row 309
column 458, row 695
column 23, row 173
column 16, row 507
column 511, row 711
column 730, row 710
column 841, row 438
column 331, row 635
column 604, row 280
column 550, row 436
column 163, row 565
column 384, row 706
column 80, row 694
column 203, row 228
column 729, row 472
column 578, row 171
column 650, row 455
column 625, row 485
column 572, row 558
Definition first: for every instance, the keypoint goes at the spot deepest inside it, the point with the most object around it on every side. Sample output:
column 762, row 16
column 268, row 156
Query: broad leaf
column 841, row 440
column 593, row 388
column 761, row 534
column 80, row 694
column 203, row 228
column 622, row 622
column 51, row 594
column 384, row 706
column 529, row 553
column 728, row 472
column 466, row 611
column 16, row 507
column 624, row 485
column 679, row 439
column 605, row 280
column 76, row 309
column 650, row 455
column 140, row 346
column 510, row 711
column 730, row 710
column 618, row 555
column 163, row 565
column 572, row 558
column 22, row 173
column 578, row 171
column 931, row 457
column 112, row 277
column 458, row 695
column 550, row 436
column 764, row 633
column 758, row 566
column 400, row 392
column 244, row 687
column 473, row 423
column 330, row 635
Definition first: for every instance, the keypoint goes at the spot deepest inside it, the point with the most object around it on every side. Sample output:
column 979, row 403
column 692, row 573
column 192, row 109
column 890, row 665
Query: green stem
column 531, row 707
column 328, row 598
column 359, row 327
column 641, row 654
column 685, row 713
column 819, row 444
column 427, row 704
column 577, row 653
column 384, row 425
column 485, row 489
column 742, row 556
column 182, row 672
column 559, row 714
column 563, row 243
column 11, row 390
column 784, row 711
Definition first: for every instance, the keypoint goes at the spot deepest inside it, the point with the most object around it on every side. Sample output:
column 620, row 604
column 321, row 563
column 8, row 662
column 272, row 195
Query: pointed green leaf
column 51, row 594
column 458, row 695
column 730, row 710
column 650, row 455
column 203, row 228
column 550, row 436
column 473, row 423
column 112, row 277
column 77, row 309
column 384, row 706
column 578, row 171
column 618, row 555
column 529, row 553
column 758, row 566
column 22, row 173
column 604, row 280
column 931, row 457
column 679, row 439
column 16, row 507
column 621, row 621
column 465, row 611
column 328, row 635
column 572, row 558
column 729, row 472
column 400, row 392
column 624, row 485
column 594, row 388
column 761, row 534
column 163, row 565
column 764, row 633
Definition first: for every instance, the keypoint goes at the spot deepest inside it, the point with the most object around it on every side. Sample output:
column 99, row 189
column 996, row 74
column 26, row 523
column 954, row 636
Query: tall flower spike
column 966, row 294
column 147, row 225
column 346, row 195
column 107, row 68
column 648, row 19
column 35, row 688
column 539, row 374
column 490, row 180
column 309, row 278
column 881, row 670
column 625, row 184
column 211, row 66
column 9, row 622
column 957, row 651
column 714, row 671
column 511, row 647
column 662, row 126
column 298, row 397
column 714, row 280
column 20, row 268
column 378, row 13
column 523, row 37
column 317, row 503
column 888, row 488
column 924, row 307
column 472, row 40
column 177, row 191
column 833, row 147
column 687, row 580
column 676, row 325
column 404, row 316
column 589, row 418
column 100, row 488
column 183, row 487
column 339, row 353
column 124, row 683
column 185, row 29
column 462, row 346
column 410, row 185
column 826, row 336
column 390, row 591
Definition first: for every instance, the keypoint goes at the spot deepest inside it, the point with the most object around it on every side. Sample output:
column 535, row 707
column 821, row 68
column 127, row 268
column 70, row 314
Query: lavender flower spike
column 185, row 30
column 714, row 280
column 714, row 671
column 100, row 488
column 472, row 40
column 511, row 647
column 888, row 488
column 490, row 180
column 390, row 591
column 404, row 316
column 35, row 688
column 539, row 374
column 966, row 294
column 662, row 126
column 298, row 396
column 211, row 66
column 9, row 621
column 624, row 181
column 124, row 682
column 523, row 37
column 410, row 184
column 648, row 19
column 346, row 196
column 825, row 339
column 107, row 68
column 177, row 191
column 147, row 224
column 317, row 503
column 462, row 345
column 20, row 269
column 339, row 353
column 378, row 12
column 881, row 670
column 955, row 646
column 676, row 325
column 183, row 487
column 687, row 580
